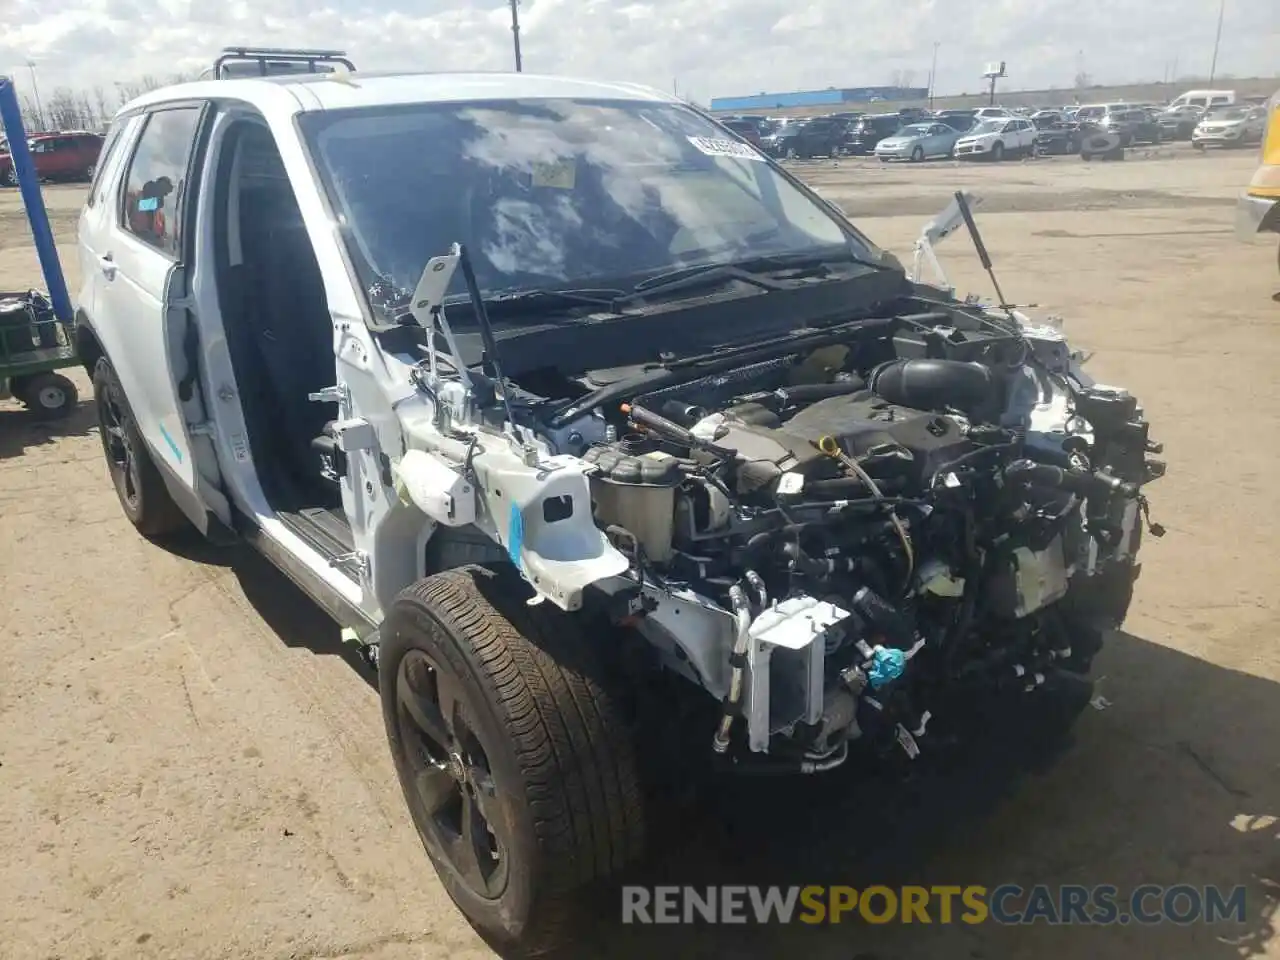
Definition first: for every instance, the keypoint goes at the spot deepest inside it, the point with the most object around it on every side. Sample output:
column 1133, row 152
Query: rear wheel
column 139, row 486
column 10, row 177
column 514, row 760
column 89, row 171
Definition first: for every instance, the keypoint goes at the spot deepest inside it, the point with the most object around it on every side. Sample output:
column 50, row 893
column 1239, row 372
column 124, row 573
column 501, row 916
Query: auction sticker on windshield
column 725, row 148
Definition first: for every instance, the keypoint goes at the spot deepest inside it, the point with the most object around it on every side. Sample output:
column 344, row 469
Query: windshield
column 1228, row 113
column 554, row 193
column 1090, row 113
column 988, row 126
column 914, row 130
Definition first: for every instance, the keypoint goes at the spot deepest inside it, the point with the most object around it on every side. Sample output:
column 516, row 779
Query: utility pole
column 35, row 92
column 933, row 73
column 515, row 32
column 1213, row 66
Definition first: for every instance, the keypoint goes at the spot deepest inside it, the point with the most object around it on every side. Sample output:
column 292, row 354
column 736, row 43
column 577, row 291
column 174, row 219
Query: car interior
column 279, row 336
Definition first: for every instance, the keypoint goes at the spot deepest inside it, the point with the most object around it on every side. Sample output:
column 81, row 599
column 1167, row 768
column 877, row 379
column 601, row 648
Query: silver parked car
column 1230, row 127
column 919, row 141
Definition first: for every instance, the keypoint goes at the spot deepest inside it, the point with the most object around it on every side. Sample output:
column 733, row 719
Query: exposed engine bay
column 841, row 541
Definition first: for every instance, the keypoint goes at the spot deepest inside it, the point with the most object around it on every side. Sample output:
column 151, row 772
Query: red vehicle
column 57, row 156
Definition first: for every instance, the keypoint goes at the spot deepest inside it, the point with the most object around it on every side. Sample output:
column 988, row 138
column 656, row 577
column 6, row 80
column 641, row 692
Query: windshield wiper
column 753, row 271
column 592, row 297
column 506, row 303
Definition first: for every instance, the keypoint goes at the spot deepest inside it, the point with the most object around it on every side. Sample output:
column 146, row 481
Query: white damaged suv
column 594, row 427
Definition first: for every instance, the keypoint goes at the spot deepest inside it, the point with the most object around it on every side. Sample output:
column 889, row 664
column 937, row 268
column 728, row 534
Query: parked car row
column 68, row 155
column 912, row 133
column 996, row 133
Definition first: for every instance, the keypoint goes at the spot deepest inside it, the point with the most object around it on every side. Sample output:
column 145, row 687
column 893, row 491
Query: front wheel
column 997, row 152
column 917, row 155
column 10, row 177
column 513, row 756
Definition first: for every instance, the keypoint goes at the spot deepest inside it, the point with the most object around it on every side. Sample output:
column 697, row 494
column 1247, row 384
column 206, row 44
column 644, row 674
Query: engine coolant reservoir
column 635, row 489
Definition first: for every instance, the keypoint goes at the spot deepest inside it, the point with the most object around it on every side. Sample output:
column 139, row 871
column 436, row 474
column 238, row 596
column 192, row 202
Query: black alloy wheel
column 455, row 799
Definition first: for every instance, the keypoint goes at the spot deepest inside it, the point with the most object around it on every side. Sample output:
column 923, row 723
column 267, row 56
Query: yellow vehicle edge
column 1258, row 209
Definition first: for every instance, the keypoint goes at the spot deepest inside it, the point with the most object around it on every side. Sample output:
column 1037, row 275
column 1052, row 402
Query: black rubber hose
column 935, row 384
column 684, row 414
column 673, row 431
column 1080, row 482
column 966, row 458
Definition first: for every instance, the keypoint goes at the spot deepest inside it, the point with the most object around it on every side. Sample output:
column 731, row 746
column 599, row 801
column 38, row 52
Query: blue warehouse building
column 831, row 97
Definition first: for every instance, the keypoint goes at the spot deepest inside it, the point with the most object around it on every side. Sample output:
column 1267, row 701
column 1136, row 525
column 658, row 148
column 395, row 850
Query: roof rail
column 272, row 61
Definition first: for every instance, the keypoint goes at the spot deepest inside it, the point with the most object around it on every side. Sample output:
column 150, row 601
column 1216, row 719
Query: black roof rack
column 274, row 61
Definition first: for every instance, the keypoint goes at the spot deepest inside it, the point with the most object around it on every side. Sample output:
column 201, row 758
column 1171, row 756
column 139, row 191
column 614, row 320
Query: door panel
column 141, row 307
column 97, row 220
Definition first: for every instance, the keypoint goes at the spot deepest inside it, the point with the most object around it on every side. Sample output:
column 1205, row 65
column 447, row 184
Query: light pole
column 1213, row 66
column 35, row 92
column 933, row 72
column 515, row 32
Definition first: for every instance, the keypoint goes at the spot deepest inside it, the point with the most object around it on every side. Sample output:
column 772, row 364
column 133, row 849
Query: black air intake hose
column 934, row 384
column 811, row 392
column 1080, row 482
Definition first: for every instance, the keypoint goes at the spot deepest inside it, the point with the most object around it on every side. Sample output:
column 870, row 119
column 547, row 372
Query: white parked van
column 1204, row 99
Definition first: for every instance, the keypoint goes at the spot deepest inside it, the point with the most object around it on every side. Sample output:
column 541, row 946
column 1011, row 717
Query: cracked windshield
column 554, row 194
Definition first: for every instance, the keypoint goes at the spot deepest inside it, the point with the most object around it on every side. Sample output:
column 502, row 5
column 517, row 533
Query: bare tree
column 1083, row 80
column 126, row 90
column 101, row 105
column 31, row 118
column 907, row 77
column 63, row 110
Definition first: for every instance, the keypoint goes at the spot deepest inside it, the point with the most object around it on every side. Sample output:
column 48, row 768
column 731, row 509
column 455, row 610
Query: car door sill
column 308, row 581
column 325, row 530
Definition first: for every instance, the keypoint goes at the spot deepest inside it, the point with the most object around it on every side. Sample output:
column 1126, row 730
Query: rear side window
column 157, row 173
column 104, row 156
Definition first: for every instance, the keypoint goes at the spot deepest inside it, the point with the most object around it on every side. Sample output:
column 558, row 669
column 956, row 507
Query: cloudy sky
column 708, row 47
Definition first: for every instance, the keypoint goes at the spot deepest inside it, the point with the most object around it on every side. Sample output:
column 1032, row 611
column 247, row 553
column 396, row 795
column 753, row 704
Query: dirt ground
column 191, row 769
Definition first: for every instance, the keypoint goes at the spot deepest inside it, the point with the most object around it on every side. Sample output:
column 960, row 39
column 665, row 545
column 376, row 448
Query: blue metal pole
column 29, row 185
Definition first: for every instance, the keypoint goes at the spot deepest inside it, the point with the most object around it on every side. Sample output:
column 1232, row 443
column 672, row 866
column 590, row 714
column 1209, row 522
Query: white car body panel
column 126, row 314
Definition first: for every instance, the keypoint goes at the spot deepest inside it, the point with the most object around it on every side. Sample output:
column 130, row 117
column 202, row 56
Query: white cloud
column 709, row 47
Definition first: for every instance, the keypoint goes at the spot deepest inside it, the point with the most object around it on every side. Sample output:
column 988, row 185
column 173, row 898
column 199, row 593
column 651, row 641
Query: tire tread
column 572, row 746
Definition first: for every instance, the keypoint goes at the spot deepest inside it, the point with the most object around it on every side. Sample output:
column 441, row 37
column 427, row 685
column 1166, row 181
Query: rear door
column 142, row 313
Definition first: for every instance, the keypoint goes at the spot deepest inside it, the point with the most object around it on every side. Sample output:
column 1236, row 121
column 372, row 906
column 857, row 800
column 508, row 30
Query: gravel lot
column 191, row 769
